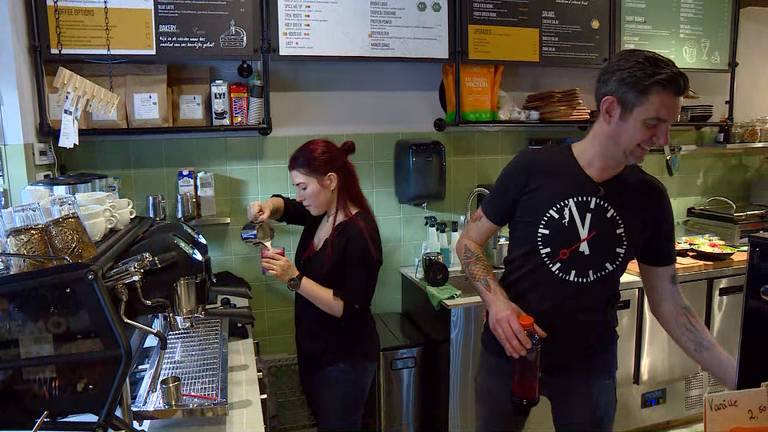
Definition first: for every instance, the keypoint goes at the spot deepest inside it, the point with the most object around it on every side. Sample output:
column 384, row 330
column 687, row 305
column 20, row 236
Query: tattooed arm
column 679, row 320
column 502, row 313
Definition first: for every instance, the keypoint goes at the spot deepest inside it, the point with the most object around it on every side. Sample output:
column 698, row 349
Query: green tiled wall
column 254, row 167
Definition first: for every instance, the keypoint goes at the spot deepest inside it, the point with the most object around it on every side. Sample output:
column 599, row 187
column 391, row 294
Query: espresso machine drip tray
column 197, row 355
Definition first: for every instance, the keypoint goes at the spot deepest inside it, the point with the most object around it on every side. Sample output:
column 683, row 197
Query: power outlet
column 42, row 175
column 43, row 153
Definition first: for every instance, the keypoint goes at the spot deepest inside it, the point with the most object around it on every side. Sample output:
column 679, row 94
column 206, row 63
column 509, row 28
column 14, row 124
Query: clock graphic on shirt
column 582, row 239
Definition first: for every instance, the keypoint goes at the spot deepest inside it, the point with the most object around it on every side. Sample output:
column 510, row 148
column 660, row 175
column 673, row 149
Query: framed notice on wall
column 81, row 24
column 696, row 34
column 358, row 28
column 555, row 32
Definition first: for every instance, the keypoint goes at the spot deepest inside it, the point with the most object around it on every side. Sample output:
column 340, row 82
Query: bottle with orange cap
column 525, row 371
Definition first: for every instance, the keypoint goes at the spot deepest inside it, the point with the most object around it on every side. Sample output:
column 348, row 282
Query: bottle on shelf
column 723, row 134
column 525, row 370
column 445, row 248
column 455, row 263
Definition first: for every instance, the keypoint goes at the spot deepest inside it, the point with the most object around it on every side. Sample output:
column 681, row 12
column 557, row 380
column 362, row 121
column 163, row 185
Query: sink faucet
column 490, row 247
column 472, row 195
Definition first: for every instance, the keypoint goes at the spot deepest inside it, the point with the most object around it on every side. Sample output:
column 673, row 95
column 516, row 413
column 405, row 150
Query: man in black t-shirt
column 577, row 215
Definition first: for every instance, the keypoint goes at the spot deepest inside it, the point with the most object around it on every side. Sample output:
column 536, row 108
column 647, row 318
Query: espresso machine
column 178, row 300
column 87, row 338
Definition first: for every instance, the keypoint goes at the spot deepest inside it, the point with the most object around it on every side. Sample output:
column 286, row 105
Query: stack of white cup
column 101, row 211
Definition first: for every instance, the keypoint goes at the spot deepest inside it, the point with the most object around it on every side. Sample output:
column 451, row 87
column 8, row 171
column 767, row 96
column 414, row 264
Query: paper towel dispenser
column 419, row 171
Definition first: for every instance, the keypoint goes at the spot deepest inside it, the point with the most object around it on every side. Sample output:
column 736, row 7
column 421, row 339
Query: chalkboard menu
column 555, row 32
column 696, row 34
column 167, row 29
column 220, row 28
column 364, row 28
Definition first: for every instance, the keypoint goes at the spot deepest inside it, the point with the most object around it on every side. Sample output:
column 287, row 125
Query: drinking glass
column 65, row 231
column 25, row 235
column 265, row 250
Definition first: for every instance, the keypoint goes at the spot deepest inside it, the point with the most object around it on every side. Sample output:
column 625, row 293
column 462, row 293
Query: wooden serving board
column 689, row 264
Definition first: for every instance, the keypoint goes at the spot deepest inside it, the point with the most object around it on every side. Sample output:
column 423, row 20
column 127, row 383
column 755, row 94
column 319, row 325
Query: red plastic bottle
column 525, row 370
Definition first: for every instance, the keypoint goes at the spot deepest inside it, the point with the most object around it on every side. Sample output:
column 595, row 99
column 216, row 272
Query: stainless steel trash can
column 398, row 388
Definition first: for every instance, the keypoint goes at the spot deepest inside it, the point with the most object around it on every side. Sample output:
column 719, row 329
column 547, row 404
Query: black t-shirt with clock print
column 570, row 241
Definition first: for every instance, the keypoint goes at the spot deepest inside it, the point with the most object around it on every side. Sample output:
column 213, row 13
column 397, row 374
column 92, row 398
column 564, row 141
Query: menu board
column 172, row 29
column 357, row 28
column 696, row 34
column 82, row 24
column 545, row 31
column 206, row 28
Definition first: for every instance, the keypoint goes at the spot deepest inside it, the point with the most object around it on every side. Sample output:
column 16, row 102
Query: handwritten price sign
column 739, row 409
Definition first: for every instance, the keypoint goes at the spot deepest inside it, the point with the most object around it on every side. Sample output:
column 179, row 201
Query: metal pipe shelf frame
column 441, row 125
column 263, row 53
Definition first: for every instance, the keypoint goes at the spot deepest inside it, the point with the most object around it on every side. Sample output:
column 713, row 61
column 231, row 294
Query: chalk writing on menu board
column 357, row 28
column 577, row 31
column 695, row 34
column 546, row 31
column 204, row 27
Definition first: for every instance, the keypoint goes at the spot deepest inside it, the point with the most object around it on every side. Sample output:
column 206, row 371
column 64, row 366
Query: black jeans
column 579, row 403
column 337, row 394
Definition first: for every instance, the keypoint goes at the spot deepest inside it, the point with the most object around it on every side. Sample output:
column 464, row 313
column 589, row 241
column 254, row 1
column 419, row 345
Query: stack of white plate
column 696, row 113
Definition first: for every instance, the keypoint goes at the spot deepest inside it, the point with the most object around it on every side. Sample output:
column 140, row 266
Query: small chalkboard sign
column 196, row 28
column 696, row 34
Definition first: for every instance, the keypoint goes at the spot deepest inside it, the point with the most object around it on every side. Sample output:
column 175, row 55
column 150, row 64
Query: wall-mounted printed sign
column 81, row 24
column 357, row 28
column 543, row 31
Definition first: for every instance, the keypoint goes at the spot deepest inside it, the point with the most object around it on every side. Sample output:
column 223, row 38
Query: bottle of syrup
column 525, row 374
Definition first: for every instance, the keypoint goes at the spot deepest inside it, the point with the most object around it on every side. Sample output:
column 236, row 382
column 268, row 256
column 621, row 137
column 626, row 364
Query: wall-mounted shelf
column 207, row 130
column 689, row 149
column 210, row 220
column 441, row 125
column 42, row 50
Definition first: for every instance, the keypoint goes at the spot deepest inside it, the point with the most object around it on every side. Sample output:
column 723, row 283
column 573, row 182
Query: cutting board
column 689, row 264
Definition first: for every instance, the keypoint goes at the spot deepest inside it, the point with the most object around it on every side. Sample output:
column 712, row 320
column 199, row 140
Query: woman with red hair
column 334, row 276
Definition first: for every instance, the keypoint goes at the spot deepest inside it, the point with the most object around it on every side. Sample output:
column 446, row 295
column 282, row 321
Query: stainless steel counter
column 469, row 296
column 649, row 360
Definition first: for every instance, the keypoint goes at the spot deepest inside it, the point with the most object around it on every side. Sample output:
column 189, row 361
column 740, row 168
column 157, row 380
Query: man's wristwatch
column 294, row 283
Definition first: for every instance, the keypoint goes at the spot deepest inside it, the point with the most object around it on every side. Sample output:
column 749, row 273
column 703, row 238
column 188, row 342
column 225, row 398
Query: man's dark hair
column 633, row 75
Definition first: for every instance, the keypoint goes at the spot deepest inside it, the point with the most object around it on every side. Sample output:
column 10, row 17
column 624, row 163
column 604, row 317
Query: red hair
column 320, row 157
